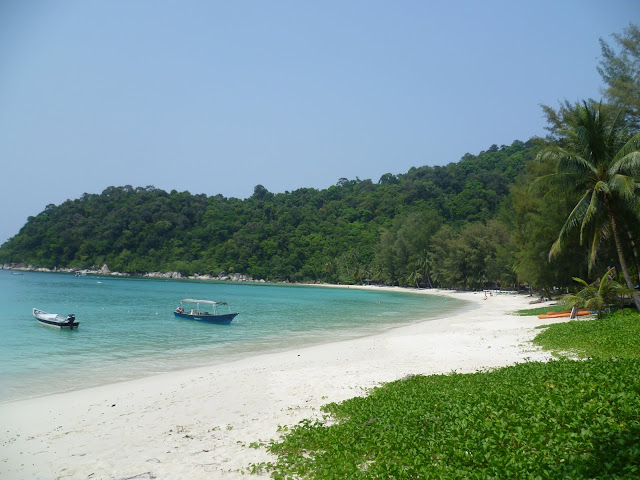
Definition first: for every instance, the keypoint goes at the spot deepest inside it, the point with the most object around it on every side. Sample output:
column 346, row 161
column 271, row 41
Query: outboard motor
column 71, row 318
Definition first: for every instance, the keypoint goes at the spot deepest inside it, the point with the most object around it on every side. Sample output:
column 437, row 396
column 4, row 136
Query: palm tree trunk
column 623, row 262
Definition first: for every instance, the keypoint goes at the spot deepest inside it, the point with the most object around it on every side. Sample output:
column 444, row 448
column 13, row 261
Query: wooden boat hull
column 223, row 319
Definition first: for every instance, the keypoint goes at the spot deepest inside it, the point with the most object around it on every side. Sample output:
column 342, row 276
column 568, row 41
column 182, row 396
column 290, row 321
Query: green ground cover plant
column 615, row 336
column 561, row 419
column 540, row 310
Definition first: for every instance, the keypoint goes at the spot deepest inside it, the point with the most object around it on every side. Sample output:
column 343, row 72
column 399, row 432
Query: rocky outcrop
column 105, row 270
column 163, row 275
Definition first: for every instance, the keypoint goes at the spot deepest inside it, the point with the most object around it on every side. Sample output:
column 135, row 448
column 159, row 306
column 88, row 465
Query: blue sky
column 217, row 97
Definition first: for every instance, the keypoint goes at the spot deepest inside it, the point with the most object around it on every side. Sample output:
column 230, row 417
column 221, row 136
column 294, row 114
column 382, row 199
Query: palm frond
column 553, row 152
column 566, row 160
column 544, row 181
column 615, row 123
column 577, row 214
column 595, row 304
column 627, row 160
column 576, row 164
column 624, row 185
column 579, row 280
column 593, row 209
column 601, row 234
column 606, row 282
column 570, row 300
column 628, row 164
column 632, row 206
column 556, row 248
column 573, row 220
column 555, row 184
column 593, row 250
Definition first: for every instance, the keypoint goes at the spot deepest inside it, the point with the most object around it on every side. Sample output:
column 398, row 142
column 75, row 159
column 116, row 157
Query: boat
column 204, row 311
column 55, row 320
column 566, row 313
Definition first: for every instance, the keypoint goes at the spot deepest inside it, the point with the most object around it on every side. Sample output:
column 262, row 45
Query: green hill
column 341, row 233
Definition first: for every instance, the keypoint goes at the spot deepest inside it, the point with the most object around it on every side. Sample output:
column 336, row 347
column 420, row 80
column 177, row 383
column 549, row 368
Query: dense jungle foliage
column 538, row 212
column 352, row 231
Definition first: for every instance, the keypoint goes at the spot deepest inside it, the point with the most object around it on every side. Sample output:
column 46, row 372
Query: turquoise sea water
column 128, row 330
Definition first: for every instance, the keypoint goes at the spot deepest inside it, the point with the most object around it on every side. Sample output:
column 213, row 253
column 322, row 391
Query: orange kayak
column 564, row 314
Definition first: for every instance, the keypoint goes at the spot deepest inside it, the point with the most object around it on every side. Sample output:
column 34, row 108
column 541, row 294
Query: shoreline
column 200, row 423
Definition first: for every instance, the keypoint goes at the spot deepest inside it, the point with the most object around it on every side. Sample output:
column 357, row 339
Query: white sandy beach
column 198, row 424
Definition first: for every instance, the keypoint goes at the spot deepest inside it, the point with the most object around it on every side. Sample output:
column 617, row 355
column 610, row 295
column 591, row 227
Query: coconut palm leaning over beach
column 597, row 157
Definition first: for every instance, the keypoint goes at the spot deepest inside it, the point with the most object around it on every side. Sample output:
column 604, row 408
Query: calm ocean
column 128, row 330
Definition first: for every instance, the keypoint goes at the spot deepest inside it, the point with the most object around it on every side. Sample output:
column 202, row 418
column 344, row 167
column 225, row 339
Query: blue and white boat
column 204, row 311
column 55, row 320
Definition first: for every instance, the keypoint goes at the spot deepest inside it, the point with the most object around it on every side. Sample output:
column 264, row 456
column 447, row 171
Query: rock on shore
column 105, row 270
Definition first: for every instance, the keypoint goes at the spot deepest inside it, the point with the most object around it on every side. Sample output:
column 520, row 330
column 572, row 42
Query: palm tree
column 424, row 264
column 595, row 159
column 598, row 295
column 330, row 271
column 414, row 277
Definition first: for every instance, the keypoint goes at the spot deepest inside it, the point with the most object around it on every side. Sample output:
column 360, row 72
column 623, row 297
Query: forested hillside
column 352, row 231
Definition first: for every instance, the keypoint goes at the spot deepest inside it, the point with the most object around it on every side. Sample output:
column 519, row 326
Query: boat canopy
column 208, row 302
